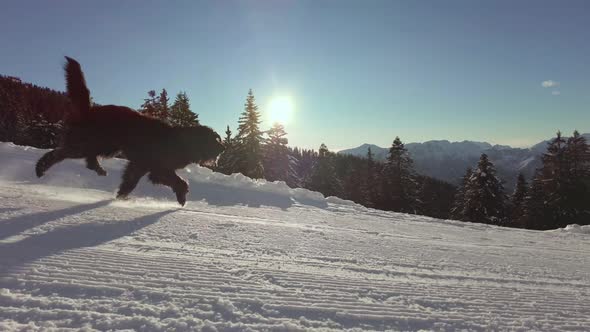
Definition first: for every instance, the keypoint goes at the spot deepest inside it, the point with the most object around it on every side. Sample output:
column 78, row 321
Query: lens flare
column 280, row 109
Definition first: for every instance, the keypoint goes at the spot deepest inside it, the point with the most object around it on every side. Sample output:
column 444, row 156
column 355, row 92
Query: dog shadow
column 15, row 225
column 71, row 237
column 9, row 209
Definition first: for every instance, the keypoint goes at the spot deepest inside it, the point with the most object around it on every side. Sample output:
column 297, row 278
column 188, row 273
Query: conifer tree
column 276, row 158
column 536, row 214
column 323, row 176
column 227, row 140
column 554, row 176
column 163, row 113
column 226, row 162
column 249, row 140
column 181, row 114
column 294, row 180
column 484, row 199
column 577, row 191
column 354, row 185
column 517, row 201
column 436, row 197
column 371, row 181
column 400, row 189
column 458, row 209
column 150, row 105
column 42, row 133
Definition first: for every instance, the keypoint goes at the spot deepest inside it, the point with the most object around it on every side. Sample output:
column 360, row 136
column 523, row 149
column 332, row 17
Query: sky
column 505, row 72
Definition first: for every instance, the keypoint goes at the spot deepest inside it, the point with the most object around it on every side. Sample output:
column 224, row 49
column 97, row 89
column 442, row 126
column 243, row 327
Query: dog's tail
column 76, row 89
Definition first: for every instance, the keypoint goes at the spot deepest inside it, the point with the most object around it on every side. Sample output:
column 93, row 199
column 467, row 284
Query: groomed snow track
column 72, row 258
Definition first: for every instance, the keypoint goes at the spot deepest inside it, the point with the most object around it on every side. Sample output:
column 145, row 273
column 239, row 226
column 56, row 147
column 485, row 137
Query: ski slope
column 246, row 255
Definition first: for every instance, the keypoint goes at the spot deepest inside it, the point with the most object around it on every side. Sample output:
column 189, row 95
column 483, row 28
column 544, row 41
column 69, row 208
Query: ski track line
column 229, row 272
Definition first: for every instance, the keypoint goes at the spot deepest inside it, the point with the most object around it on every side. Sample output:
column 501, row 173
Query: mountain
column 247, row 255
column 448, row 161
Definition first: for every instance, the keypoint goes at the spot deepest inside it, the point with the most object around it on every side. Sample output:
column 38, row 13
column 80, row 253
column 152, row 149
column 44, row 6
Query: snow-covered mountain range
column 447, row 161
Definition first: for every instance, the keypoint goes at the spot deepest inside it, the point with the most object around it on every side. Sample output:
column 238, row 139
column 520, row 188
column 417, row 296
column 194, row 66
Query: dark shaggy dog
column 151, row 146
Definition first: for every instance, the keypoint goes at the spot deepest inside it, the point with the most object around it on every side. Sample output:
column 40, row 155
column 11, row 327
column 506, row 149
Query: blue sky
column 357, row 71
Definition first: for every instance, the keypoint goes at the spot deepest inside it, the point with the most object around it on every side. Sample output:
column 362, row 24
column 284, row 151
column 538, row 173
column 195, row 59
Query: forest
column 557, row 195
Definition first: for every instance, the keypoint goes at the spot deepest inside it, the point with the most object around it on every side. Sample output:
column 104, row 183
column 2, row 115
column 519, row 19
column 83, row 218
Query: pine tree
column 181, row 114
column 517, row 201
column 436, row 197
column 163, row 113
column 150, row 105
column 249, row 140
column 294, row 180
column 371, row 181
column 276, row 157
column 42, row 133
column 536, row 214
column 226, row 162
column 458, row 209
column 400, row 189
column 323, row 176
column 577, row 183
column 354, row 185
column 484, row 199
column 554, row 176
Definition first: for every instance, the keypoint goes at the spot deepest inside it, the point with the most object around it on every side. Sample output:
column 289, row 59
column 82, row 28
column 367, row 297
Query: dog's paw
column 122, row 197
column 101, row 172
column 181, row 198
column 39, row 171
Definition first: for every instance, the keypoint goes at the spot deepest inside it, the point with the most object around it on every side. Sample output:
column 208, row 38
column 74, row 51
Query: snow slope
column 255, row 255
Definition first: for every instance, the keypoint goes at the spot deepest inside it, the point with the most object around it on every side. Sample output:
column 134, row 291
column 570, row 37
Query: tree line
column 559, row 193
column 29, row 114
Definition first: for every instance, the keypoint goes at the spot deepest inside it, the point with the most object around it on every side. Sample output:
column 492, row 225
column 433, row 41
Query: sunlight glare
column 280, row 109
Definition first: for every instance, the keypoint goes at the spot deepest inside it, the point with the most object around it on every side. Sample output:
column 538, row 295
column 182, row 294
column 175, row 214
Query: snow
column 575, row 228
column 253, row 255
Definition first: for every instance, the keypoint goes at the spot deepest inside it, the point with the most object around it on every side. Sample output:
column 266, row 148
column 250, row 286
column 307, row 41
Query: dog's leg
column 51, row 158
column 171, row 179
column 93, row 165
column 131, row 176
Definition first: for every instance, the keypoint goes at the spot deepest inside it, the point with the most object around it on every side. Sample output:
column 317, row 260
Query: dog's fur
column 151, row 146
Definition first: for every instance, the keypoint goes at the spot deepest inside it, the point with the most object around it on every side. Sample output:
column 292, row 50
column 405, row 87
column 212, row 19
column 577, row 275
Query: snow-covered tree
column 517, row 200
column 399, row 187
column 458, row 209
column 484, row 198
column 536, row 214
column 577, row 182
column 42, row 133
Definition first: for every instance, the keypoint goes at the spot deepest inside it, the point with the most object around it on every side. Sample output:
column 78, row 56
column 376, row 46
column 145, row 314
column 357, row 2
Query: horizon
column 504, row 73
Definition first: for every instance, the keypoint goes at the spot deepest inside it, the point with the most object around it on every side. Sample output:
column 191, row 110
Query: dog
column 150, row 145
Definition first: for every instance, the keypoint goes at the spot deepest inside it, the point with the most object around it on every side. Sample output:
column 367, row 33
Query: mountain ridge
column 447, row 161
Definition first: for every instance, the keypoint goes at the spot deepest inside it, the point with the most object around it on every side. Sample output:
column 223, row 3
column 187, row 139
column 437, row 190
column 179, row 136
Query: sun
column 280, row 109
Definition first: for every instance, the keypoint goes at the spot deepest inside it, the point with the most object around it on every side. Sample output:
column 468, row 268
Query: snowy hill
column 448, row 161
column 252, row 255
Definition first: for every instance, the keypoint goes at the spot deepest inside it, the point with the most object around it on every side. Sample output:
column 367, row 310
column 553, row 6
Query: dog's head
column 201, row 144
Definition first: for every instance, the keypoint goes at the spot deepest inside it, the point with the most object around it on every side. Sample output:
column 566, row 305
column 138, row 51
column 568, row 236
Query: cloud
column 555, row 93
column 549, row 84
